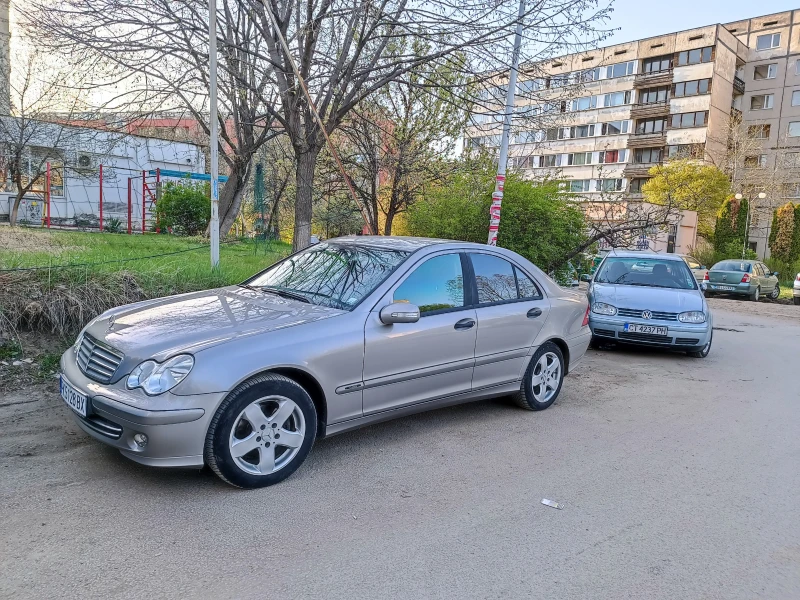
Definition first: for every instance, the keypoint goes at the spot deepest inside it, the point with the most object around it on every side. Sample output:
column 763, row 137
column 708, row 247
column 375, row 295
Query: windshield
column 646, row 272
column 334, row 275
column 732, row 265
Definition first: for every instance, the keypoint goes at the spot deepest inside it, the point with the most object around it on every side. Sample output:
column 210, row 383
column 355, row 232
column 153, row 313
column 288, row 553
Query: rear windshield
column 732, row 265
column 646, row 272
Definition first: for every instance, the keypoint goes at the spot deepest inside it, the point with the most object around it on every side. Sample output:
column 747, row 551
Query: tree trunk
column 230, row 200
column 304, row 183
column 387, row 228
column 12, row 218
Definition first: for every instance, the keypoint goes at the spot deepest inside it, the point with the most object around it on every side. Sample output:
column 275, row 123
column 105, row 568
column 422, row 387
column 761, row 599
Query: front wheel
column 543, row 378
column 776, row 292
column 262, row 432
column 703, row 352
column 797, row 300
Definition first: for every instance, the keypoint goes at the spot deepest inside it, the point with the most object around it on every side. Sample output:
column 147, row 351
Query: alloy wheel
column 267, row 435
column 545, row 377
column 775, row 293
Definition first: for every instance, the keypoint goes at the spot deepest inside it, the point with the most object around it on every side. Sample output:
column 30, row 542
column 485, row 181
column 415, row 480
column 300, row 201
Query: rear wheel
column 776, row 292
column 543, row 378
column 797, row 300
column 756, row 295
column 262, row 432
column 703, row 352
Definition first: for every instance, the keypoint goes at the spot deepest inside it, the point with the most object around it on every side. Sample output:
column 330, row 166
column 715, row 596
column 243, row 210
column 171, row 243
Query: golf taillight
column 705, row 277
column 586, row 318
column 746, row 278
column 798, row 277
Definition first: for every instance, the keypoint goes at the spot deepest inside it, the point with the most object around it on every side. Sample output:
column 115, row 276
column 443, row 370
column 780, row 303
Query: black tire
column 595, row 343
column 776, row 292
column 704, row 351
column 217, row 452
column 756, row 295
column 797, row 300
column 708, row 294
column 525, row 397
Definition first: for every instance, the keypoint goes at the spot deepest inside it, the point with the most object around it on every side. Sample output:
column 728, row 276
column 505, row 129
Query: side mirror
column 776, row 273
column 703, row 267
column 586, row 277
column 399, row 312
column 575, row 283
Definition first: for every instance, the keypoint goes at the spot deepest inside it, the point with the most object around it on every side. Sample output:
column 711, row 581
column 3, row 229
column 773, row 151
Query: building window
column 579, row 185
column 614, row 128
column 656, row 95
column 696, row 56
column 686, row 151
column 610, row 185
column 617, row 99
column 552, row 134
column 791, row 190
column 796, row 98
column 691, row 88
column 581, row 131
column 761, row 101
column 692, row 119
column 585, row 103
column 758, row 132
column 557, row 81
column 528, row 137
column 651, row 125
column 612, row 156
column 767, row 41
column 755, row 162
column 657, row 64
column 620, row 69
column 769, row 71
column 636, row 184
column 648, row 155
column 579, row 158
column 530, row 86
column 791, row 160
column 551, row 160
column 590, row 75
column 794, row 129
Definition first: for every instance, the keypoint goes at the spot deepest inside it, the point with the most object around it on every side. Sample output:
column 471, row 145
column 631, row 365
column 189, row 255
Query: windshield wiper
column 286, row 294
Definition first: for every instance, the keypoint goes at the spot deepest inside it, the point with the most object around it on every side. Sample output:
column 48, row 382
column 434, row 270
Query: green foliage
column 781, row 243
column 538, row 221
column 184, row 207
column 731, row 227
column 113, row 225
column 338, row 215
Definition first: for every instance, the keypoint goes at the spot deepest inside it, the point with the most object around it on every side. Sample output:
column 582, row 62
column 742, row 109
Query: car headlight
column 77, row 345
column 601, row 308
column 693, row 316
column 156, row 378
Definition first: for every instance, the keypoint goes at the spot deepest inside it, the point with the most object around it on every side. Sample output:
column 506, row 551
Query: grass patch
column 82, row 274
column 10, row 350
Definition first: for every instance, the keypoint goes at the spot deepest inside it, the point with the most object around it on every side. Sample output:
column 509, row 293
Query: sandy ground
column 678, row 476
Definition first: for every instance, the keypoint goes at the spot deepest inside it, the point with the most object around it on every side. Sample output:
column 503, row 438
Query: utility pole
column 500, row 180
column 213, row 130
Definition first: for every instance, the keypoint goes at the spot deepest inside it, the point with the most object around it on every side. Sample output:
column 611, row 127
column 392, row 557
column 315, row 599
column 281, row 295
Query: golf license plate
column 73, row 397
column 724, row 287
column 651, row 329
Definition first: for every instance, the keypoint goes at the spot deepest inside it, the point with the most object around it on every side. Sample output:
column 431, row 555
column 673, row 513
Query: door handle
column 464, row 324
column 534, row 312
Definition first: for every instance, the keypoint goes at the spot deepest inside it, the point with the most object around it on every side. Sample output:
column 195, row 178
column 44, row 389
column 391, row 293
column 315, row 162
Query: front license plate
column 724, row 287
column 652, row 329
column 73, row 397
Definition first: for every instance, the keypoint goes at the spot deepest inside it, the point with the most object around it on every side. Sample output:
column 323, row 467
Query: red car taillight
column 705, row 277
column 585, row 318
column 798, row 277
column 746, row 278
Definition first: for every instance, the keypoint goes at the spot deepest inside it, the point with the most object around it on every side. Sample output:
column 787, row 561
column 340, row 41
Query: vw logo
column 646, row 314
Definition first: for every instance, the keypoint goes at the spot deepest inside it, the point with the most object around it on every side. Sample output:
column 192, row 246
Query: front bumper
column 681, row 336
column 796, row 290
column 739, row 289
column 175, row 436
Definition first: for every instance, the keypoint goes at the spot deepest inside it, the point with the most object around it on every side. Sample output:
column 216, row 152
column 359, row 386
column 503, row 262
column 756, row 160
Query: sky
column 639, row 19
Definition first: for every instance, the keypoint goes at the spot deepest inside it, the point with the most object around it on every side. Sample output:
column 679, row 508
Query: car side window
column 435, row 285
column 758, row 270
column 494, row 278
column 527, row 289
column 692, row 264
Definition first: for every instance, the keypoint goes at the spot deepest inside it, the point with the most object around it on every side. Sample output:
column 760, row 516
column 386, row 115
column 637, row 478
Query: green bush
column 538, row 221
column 113, row 225
column 184, row 208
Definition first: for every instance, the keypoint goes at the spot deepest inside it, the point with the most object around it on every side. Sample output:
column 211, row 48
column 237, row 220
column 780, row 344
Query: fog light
column 140, row 439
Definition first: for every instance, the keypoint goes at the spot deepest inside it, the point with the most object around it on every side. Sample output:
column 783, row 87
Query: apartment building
column 603, row 118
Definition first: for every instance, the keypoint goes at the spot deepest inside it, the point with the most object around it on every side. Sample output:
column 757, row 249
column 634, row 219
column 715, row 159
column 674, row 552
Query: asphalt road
column 679, row 479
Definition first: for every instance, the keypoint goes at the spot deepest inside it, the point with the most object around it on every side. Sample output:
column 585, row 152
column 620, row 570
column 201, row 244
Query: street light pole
column 213, row 131
column 761, row 196
column 500, row 180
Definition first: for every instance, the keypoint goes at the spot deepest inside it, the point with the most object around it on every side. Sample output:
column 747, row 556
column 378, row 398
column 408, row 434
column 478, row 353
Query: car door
column 511, row 311
column 414, row 362
column 760, row 280
column 770, row 281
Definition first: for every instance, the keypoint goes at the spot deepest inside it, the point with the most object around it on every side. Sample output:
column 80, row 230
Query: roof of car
column 397, row 242
column 624, row 253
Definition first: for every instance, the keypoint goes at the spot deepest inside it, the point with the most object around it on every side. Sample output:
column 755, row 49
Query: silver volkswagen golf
column 338, row 336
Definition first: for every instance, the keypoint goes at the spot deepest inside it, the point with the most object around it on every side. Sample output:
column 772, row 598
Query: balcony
column 643, row 140
column 738, row 86
column 637, row 170
column 649, row 110
column 654, row 78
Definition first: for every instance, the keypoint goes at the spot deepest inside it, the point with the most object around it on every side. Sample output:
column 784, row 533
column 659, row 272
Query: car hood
column 647, row 298
column 189, row 322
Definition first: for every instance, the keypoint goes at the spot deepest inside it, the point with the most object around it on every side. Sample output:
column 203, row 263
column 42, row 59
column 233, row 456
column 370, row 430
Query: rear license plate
column 651, row 329
column 729, row 288
column 74, row 399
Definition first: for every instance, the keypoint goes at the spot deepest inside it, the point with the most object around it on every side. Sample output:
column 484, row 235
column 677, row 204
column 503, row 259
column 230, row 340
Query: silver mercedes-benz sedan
column 340, row 335
column 649, row 299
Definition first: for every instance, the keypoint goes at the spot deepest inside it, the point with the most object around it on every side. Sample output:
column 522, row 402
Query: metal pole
column 130, row 203
column 500, row 181
column 101, row 198
column 144, row 199
column 47, row 192
column 746, row 230
column 213, row 131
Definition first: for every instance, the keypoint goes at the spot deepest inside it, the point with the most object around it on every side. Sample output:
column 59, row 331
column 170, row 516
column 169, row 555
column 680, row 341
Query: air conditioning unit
column 85, row 162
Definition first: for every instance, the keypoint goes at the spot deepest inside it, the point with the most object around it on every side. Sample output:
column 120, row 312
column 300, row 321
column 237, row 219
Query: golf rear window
column 732, row 265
